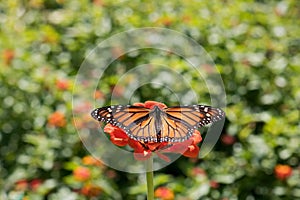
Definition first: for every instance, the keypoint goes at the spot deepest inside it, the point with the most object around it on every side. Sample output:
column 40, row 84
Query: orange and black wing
column 134, row 120
column 174, row 124
column 180, row 122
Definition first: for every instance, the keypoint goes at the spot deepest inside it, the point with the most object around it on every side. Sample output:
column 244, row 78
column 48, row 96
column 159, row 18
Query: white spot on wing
column 205, row 109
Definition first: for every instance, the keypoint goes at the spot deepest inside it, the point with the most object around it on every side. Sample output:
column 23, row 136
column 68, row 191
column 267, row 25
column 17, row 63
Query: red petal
column 117, row 135
column 164, row 157
column 196, row 137
column 141, row 154
column 179, row 147
column 192, row 151
column 150, row 104
column 137, row 146
column 109, row 128
column 119, row 141
column 154, row 146
column 139, row 104
column 114, row 130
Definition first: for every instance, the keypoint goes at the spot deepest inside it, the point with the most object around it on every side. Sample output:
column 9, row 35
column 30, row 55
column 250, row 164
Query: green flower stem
column 149, row 176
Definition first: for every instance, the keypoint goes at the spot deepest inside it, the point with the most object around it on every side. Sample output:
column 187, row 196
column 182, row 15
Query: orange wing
column 180, row 122
column 134, row 120
column 174, row 124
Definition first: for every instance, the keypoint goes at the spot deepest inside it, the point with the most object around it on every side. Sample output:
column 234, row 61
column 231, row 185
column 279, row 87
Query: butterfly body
column 173, row 124
column 157, row 113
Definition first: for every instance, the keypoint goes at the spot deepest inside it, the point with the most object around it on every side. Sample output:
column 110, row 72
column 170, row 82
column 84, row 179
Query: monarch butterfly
column 172, row 124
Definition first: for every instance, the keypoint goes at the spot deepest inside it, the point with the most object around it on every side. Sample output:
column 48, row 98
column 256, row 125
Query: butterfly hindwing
column 175, row 130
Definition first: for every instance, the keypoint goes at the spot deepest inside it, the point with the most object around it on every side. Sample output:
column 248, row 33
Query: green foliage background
column 256, row 48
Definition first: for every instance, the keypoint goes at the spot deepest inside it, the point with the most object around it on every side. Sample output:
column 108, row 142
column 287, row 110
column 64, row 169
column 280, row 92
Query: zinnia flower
column 98, row 94
column 21, row 184
column 214, row 184
column 90, row 160
column 164, row 193
column 91, row 190
column 63, row 84
column 35, row 184
column 57, row 119
column 228, row 139
column 82, row 173
column 197, row 171
column 144, row 150
column 8, row 55
column 282, row 172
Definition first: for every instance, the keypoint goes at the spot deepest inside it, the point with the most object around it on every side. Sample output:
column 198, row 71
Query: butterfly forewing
column 195, row 115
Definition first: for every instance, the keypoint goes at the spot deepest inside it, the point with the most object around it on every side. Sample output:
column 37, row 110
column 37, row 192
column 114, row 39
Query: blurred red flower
column 21, row 184
column 282, row 172
column 111, row 174
column 63, row 84
column 166, row 20
column 144, row 150
column 186, row 18
column 26, row 184
column 164, row 193
column 117, row 90
column 57, row 119
column 82, row 107
column 91, row 190
column 8, row 55
column 90, row 160
column 35, row 184
column 98, row 2
column 228, row 139
column 98, row 94
column 214, row 184
column 81, row 173
column 196, row 171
